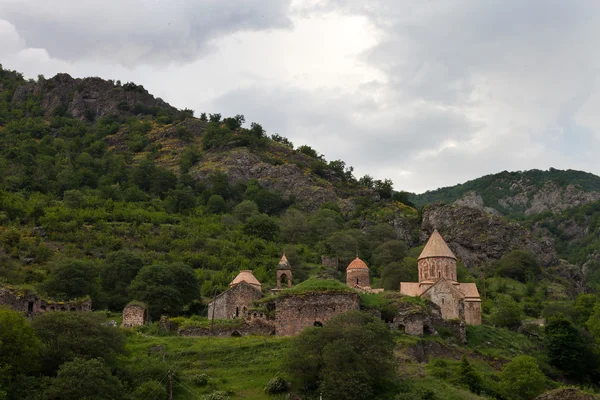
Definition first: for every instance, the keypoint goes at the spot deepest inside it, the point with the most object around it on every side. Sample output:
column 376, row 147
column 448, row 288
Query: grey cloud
column 130, row 32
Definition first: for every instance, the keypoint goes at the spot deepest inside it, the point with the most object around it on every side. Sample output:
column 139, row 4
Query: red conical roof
column 436, row 247
column 357, row 263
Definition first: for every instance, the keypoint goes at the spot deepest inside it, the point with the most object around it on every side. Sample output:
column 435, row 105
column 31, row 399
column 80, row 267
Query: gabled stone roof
column 357, row 263
column 436, row 247
column 246, row 276
column 284, row 263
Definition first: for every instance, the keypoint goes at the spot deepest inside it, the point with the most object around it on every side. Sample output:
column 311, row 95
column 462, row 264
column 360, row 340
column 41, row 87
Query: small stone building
column 438, row 283
column 31, row 304
column 357, row 274
column 284, row 273
column 235, row 301
column 134, row 314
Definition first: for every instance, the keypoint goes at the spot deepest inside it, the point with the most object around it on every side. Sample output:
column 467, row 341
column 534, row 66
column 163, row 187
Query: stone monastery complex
column 437, row 283
column 287, row 313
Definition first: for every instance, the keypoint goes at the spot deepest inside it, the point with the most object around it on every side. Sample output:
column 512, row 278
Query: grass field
column 241, row 366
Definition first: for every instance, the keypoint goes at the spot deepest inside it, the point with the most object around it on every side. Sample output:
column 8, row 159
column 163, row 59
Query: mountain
column 522, row 193
column 109, row 193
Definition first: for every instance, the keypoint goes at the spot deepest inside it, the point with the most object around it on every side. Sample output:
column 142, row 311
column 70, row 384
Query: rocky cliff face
column 478, row 238
column 567, row 394
column 89, row 98
column 550, row 197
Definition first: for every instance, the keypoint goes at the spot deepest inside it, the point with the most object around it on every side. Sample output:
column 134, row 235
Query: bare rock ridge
column 478, row 238
column 90, row 97
column 550, row 197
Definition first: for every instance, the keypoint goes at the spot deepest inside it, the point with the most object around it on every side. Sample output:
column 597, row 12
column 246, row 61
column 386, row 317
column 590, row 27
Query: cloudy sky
column 427, row 93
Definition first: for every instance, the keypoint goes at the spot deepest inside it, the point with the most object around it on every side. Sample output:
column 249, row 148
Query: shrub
column 201, row 380
column 277, row 385
column 217, row 395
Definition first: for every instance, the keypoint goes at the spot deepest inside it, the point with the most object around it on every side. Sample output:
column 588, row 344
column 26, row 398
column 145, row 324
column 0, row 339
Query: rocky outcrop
column 473, row 200
column 554, row 198
column 477, row 238
column 89, row 97
column 567, row 394
column 288, row 179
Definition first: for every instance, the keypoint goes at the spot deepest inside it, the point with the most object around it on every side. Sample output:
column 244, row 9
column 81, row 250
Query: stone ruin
column 134, row 314
column 31, row 304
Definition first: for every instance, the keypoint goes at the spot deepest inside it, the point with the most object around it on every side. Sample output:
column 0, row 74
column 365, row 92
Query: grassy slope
column 241, row 366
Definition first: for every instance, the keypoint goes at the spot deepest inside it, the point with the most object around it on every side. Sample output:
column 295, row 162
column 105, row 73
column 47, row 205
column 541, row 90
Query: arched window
column 237, row 312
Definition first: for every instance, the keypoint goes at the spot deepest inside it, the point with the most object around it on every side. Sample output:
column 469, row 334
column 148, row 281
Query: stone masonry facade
column 234, row 302
column 134, row 315
column 294, row 313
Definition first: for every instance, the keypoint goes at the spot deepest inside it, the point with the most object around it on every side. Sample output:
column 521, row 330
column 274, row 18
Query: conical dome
column 436, row 247
column 357, row 263
column 284, row 263
column 246, row 276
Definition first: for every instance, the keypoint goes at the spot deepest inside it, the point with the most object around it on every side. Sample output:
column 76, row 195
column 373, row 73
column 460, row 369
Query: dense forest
column 135, row 201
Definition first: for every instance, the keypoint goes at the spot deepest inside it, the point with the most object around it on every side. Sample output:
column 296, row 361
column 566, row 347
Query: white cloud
column 426, row 93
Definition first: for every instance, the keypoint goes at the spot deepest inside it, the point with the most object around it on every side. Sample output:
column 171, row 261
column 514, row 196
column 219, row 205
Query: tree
column 351, row 357
column 84, row 379
column 244, row 210
column 566, row 347
column 66, row 336
column 396, row 272
column 294, row 226
column 390, row 251
column 19, row 346
column 468, row 377
column 518, row 264
column 262, row 226
column 585, row 307
column 71, row 279
column 507, row 312
column 522, row 378
column 215, row 204
column 120, row 268
column 166, row 288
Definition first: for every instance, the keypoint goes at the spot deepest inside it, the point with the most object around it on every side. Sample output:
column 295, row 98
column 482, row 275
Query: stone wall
column 416, row 320
column 448, row 298
column 260, row 327
column 234, row 302
column 134, row 315
column 473, row 312
column 433, row 268
column 358, row 277
column 29, row 303
column 294, row 313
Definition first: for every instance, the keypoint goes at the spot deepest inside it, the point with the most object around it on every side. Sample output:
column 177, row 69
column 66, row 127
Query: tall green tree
column 84, row 379
column 66, row 336
column 351, row 357
column 71, row 279
column 567, row 348
column 522, row 378
column 120, row 268
column 166, row 288
column 19, row 346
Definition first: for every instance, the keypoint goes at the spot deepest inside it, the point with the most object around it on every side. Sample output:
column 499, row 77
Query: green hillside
column 109, row 193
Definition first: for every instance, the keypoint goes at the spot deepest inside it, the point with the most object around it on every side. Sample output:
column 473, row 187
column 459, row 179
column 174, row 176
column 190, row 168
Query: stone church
column 438, row 283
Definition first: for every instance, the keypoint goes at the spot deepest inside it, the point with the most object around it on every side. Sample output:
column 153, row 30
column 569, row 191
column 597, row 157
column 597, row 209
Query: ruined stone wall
column 433, row 268
column 414, row 320
column 134, row 315
column 294, row 313
column 31, row 304
column 234, row 302
column 260, row 327
column 473, row 312
column 358, row 277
